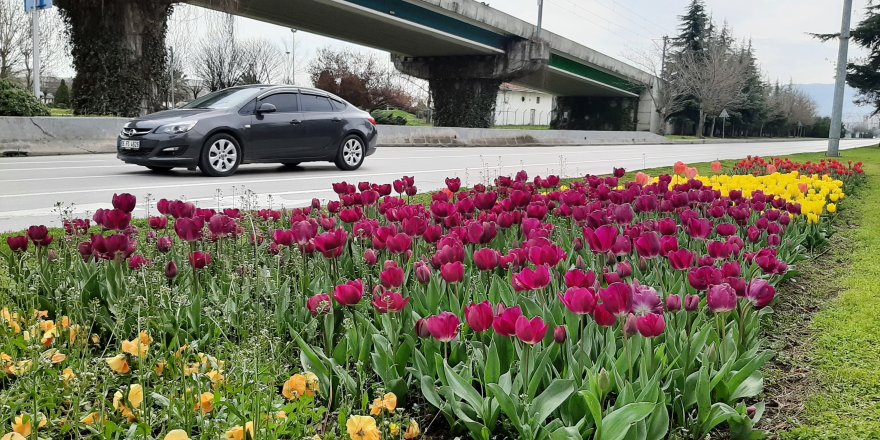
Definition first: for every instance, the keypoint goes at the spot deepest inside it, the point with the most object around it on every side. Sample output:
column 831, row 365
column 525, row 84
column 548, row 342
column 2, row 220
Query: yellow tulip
column 832, row 208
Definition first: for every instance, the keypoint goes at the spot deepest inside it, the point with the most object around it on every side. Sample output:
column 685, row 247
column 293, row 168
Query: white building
column 517, row 105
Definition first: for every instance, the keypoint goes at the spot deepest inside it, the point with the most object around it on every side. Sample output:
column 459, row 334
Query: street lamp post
column 840, row 82
column 293, row 56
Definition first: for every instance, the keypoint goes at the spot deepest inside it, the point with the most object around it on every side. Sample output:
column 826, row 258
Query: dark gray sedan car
column 251, row 124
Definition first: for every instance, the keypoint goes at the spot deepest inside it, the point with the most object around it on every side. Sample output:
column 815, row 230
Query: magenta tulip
column 389, row 302
column 531, row 331
column 17, row 243
column 331, row 244
column 681, row 259
column 189, row 229
column 645, row 300
column 304, row 231
column 350, row 293
column 505, row 322
column 692, row 303
column 453, row 272
column 560, row 334
column 171, row 270
column 530, row 279
column 603, row 317
column 617, row 299
column 392, row 276
column 651, row 325
column 319, row 304
column 579, row 300
column 673, row 303
column 760, row 293
column 648, row 245
column 721, row 298
column 701, row 278
column 602, row 238
column 480, row 316
column 158, row 222
column 199, row 260
column 486, row 259
column 124, row 202
column 423, row 272
column 443, row 327
column 39, row 235
column 370, row 257
column 399, row 243
column 580, row 278
column 138, row 262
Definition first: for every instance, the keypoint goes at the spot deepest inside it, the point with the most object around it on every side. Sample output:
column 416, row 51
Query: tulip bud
column 578, row 246
column 423, row 273
column 692, row 303
column 163, row 245
column 51, row 255
column 579, row 263
column 643, row 265
column 316, row 204
column 631, row 328
column 712, row 354
column 673, row 303
column 604, row 381
column 370, row 257
column 751, row 410
column 422, row 329
column 171, row 270
column 560, row 334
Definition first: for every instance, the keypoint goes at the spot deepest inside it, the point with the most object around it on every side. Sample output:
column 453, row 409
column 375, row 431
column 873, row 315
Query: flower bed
column 527, row 309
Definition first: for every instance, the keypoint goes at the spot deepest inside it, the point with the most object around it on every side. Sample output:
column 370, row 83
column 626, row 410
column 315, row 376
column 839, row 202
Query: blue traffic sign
column 29, row 5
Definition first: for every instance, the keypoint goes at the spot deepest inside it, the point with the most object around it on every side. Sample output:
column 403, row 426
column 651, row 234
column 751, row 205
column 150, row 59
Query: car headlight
column 177, row 127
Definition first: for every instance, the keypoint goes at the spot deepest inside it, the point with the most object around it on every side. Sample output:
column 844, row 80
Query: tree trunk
column 712, row 128
column 701, row 124
column 118, row 50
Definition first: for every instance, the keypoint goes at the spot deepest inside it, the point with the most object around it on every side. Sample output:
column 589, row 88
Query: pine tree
column 694, row 29
column 62, row 95
column 866, row 77
column 754, row 108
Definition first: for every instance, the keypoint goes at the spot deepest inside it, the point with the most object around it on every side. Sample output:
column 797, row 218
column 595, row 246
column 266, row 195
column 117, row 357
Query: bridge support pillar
column 595, row 113
column 464, row 88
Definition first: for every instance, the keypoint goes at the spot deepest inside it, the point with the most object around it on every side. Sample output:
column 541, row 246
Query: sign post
column 34, row 7
column 724, row 115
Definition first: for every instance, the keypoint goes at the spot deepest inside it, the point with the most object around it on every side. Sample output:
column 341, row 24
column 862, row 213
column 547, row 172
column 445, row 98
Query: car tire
column 351, row 153
column 220, row 156
column 159, row 169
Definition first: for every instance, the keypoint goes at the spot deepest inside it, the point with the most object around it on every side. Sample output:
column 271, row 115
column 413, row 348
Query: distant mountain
column 823, row 94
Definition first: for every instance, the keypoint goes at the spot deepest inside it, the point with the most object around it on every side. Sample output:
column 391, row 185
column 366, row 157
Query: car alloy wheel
column 352, row 152
column 222, row 155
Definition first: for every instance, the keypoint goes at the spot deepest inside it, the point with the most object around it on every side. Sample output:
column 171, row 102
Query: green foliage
column 62, row 95
column 865, row 74
column 388, row 117
column 16, row 101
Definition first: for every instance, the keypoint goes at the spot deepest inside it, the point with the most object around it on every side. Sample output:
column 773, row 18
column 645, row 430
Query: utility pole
column 171, row 56
column 540, row 18
column 293, row 56
column 837, row 109
column 35, row 28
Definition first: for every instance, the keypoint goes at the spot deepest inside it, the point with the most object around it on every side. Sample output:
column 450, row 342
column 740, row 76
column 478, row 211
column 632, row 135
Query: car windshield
column 222, row 99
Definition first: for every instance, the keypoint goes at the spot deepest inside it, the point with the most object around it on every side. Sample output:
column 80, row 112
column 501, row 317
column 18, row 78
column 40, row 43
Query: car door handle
column 337, row 119
column 295, row 121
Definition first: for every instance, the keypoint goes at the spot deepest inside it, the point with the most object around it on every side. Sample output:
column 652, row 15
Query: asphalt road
column 34, row 189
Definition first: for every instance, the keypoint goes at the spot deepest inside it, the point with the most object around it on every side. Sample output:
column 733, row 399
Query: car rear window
column 283, row 102
column 315, row 103
column 337, row 104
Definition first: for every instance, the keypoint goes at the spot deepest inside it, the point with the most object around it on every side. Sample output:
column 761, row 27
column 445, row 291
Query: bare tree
column 195, row 87
column 263, row 61
column 13, row 35
column 714, row 78
column 665, row 89
column 220, row 60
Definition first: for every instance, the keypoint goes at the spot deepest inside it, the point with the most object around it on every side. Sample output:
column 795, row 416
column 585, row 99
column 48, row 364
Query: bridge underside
column 426, row 42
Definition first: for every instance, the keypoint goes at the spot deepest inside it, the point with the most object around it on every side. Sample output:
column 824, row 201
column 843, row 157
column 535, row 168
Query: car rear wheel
column 351, row 153
column 220, row 156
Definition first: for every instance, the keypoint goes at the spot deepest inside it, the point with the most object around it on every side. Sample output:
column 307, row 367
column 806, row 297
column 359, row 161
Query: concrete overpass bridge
column 465, row 49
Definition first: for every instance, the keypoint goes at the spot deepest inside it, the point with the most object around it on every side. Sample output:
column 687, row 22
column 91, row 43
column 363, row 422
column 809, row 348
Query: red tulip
column 137, row 262
column 721, row 298
column 486, row 259
column 529, row 279
column 113, row 247
column 423, row 272
column 681, row 259
column 692, row 303
column 158, row 222
column 673, row 303
column 579, row 300
column 17, row 243
column 531, row 331
column 164, row 244
column 603, row 317
column 39, row 235
column 602, row 238
column 560, row 334
column 701, row 278
column 350, row 293
column 579, row 278
column 171, row 270
column 505, row 322
column 480, row 316
column 453, row 184
column 199, row 260
column 617, row 298
column 222, row 225
column 399, row 243
column 303, row 231
column 389, row 302
column 648, row 245
column 370, row 257
column 319, row 304
column 443, row 327
column 283, row 237
column 760, row 293
column 716, row 167
column 392, row 276
column 189, row 229
column 452, row 272
column 124, row 202
column 651, row 325
column 331, row 244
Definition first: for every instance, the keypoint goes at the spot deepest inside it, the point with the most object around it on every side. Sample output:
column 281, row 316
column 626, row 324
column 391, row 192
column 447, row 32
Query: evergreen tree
column 753, row 111
column 62, row 95
column 694, row 29
column 865, row 77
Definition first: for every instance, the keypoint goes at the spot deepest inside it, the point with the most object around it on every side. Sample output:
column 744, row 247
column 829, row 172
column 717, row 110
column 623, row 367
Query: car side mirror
column 266, row 108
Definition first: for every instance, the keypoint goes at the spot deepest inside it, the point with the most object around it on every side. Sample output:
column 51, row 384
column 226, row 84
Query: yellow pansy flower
column 119, row 364
column 412, row 431
column 294, row 387
column 206, row 403
column 176, row 434
column 362, row 428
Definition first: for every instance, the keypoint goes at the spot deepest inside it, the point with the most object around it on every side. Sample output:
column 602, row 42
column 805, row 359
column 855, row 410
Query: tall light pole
column 837, row 109
column 540, row 18
column 293, row 56
column 35, row 28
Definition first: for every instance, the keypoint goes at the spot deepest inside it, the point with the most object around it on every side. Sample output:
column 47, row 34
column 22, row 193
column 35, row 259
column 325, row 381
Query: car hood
column 157, row 119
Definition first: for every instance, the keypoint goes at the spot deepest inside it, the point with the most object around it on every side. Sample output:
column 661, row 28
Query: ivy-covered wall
column 464, row 102
column 118, row 50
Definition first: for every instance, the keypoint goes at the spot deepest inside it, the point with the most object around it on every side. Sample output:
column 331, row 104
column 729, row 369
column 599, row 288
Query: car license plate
column 130, row 145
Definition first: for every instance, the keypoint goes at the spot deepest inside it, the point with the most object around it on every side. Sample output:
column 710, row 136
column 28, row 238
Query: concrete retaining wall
column 42, row 136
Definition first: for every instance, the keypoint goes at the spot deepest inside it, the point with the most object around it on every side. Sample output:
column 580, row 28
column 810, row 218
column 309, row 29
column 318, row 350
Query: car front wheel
column 220, row 156
column 351, row 153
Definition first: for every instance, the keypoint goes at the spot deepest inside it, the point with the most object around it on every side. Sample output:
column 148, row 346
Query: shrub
column 16, row 101
column 62, row 95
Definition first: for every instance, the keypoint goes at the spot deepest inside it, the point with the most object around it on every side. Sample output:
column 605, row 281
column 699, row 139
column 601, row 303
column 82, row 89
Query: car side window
column 337, row 105
column 248, row 109
column 315, row 103
column 283, row 102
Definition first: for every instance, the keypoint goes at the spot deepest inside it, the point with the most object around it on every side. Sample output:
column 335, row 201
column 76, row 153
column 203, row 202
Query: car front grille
column 133, row 131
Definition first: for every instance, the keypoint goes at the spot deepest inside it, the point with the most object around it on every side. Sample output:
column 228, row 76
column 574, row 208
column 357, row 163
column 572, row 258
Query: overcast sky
column 619, row 28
